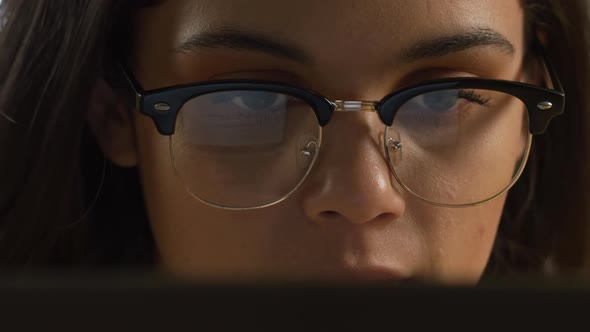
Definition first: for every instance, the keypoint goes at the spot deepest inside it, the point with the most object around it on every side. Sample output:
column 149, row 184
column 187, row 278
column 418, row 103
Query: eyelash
column 473, row 97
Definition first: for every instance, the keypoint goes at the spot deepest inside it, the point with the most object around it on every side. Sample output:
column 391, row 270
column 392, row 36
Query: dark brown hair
column 63, row 204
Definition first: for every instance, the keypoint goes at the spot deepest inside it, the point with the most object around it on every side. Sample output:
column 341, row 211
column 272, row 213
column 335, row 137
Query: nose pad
column 394, row 148
column 307, row 150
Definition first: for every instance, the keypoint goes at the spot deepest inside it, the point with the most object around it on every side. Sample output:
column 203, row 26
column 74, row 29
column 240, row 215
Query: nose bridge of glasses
column 355, row 106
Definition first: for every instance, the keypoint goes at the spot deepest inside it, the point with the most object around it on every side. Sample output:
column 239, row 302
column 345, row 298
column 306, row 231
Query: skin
column 350, row 220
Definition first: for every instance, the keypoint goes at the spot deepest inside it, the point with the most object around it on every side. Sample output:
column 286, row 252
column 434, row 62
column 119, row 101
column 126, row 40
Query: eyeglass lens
column 457, row 146
column 244, row 149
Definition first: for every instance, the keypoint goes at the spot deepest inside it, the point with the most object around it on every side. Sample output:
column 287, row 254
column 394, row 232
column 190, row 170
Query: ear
column 112, row 125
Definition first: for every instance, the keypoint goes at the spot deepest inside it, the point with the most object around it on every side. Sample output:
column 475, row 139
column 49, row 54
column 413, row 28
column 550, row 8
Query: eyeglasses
column 241, row 144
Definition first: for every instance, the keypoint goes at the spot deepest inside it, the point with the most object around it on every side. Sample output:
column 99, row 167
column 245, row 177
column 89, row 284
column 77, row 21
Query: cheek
column 460, row 241
column 179, row 225
column 194, row 240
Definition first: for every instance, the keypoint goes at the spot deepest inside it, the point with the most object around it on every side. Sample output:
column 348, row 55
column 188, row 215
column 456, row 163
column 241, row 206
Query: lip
column 367, row 274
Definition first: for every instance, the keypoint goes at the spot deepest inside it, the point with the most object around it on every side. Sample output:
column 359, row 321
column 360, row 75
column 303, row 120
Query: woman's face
column 350, row 219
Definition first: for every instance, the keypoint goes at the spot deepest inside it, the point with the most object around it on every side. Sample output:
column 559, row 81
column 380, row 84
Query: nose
column 351, row 181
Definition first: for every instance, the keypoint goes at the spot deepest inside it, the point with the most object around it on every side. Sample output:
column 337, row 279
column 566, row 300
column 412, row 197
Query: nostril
column 329, row 215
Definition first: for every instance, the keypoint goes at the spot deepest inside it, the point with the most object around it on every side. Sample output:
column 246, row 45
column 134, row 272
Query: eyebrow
column 459, row 42
column 245, row 41
column 251, row 41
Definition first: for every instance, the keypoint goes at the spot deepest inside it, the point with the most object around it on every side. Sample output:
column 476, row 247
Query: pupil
column 440, row 100
column 259, row 100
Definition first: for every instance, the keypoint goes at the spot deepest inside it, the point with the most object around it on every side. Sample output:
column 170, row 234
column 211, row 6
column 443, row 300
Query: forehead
column 333, row 33
column 375, row 22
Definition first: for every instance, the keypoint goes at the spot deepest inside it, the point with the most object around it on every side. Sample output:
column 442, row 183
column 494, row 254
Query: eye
column 447, row 100
column 257, row 100
column 440, row 101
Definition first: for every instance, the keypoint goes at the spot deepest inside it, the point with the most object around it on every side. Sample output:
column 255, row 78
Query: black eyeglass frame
column 163, row 105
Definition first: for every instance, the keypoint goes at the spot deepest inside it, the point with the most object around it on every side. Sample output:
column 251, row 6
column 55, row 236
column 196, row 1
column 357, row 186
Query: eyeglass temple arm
column 549, row 72
column 134, row 86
